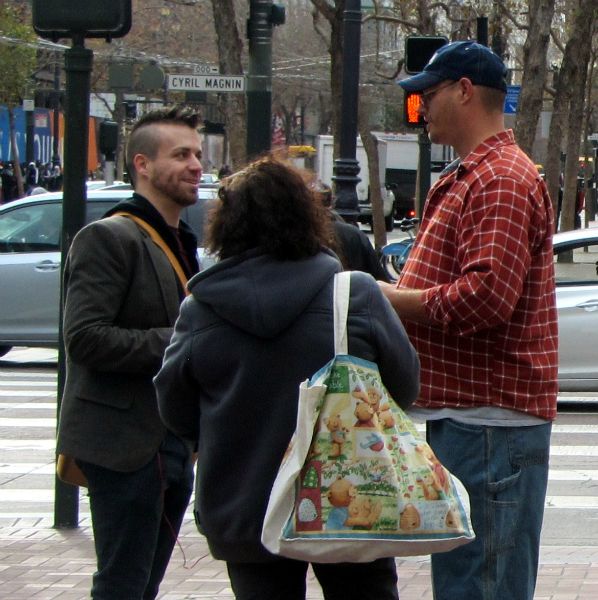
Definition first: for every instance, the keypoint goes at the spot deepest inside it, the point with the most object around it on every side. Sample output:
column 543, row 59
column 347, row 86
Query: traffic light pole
column 346, row 167
column 77, row 66
column 259, row 78
column 424, row 166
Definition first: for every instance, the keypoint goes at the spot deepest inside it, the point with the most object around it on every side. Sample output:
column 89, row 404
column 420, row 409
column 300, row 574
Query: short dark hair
column 492, row 99
column 143, row 138
column 267, row 205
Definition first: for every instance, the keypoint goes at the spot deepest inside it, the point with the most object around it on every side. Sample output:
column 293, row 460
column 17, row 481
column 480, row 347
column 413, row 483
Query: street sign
column 205, row 70
column 512, row 99
column 206, row 83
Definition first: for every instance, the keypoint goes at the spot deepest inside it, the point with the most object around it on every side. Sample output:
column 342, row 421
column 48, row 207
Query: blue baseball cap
column 460, row 59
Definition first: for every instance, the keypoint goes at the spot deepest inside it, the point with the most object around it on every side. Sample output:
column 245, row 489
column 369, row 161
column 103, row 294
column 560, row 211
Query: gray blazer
column 121, row 302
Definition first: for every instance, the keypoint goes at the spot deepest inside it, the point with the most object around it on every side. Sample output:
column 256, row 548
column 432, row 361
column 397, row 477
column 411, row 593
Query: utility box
column 57, row 19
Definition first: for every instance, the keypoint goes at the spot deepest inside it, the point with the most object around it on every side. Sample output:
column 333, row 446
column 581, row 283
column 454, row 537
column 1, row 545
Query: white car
column 576, row 270
column 30, row 257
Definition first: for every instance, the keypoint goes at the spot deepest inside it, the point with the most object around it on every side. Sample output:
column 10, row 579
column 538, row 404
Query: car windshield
column 33, row 228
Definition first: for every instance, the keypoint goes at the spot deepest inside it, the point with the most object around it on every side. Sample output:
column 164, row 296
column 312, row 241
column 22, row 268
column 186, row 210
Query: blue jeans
column 285, row 580
column 505, row 471
column 136, row 518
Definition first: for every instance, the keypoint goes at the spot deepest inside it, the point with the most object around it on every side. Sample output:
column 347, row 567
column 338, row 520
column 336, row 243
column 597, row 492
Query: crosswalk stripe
column 28, row 468
column 29, row 384
column 27, row 405
column 28, row 444
column 27, row 393
column 27, row 422
column 49, row 375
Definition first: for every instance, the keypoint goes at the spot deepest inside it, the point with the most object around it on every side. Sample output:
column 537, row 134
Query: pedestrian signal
column 419, row 50
column 412, row 102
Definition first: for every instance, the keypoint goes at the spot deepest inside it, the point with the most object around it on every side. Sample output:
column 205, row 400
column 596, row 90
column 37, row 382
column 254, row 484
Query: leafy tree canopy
column 17, row 61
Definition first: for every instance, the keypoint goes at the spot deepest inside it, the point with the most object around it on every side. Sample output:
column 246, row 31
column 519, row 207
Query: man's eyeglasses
column 426, row 97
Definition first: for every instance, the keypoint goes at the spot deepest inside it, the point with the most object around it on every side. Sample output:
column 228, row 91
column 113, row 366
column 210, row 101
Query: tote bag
column 357, row 481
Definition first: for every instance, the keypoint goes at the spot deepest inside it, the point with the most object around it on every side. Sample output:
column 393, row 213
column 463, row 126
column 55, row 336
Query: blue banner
column 42, row 136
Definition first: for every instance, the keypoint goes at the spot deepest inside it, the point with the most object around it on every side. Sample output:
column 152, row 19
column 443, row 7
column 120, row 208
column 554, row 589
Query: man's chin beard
column 184, row 201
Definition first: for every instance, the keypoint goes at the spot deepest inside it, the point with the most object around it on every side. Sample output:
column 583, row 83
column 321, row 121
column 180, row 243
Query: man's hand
column 407, row 303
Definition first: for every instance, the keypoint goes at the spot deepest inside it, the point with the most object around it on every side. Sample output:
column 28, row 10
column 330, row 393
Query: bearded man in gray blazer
column 122, row 297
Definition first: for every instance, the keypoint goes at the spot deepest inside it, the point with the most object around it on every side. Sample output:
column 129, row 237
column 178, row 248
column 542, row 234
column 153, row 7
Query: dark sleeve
column 97, row 282
column 397, row 359
column 357, row 252
column 176, row 388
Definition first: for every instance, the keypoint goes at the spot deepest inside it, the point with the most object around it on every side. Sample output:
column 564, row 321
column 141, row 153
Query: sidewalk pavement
column 41, row 563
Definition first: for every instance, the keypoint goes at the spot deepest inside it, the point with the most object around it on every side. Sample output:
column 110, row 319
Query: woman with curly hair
column 257, row 324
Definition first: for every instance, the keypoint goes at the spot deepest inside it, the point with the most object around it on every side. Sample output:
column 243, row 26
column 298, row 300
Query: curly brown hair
column 267, row 205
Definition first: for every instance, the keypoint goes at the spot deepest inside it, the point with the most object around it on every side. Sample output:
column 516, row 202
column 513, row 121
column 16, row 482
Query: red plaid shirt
column 484, row 255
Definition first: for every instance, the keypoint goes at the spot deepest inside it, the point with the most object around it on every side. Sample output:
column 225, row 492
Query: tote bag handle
column 342, row 290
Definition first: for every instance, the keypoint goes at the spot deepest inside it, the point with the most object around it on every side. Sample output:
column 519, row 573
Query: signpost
column 206, row 83
column 512, row 99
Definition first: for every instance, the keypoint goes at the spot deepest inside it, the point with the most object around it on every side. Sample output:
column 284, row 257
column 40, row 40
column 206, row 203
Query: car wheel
column 5, row 350
column 389, row 222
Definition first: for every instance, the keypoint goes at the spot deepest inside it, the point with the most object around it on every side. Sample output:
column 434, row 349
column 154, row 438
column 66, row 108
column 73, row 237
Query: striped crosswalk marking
column 27, row 486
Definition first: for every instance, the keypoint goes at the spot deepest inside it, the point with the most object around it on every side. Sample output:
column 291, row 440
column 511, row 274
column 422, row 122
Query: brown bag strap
column 157, row 239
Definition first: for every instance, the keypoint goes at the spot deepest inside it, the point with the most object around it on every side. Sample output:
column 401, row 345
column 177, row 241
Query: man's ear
column 140, row 162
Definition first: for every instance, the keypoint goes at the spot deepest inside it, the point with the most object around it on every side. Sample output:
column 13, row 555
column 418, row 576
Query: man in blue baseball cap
column 476, row 297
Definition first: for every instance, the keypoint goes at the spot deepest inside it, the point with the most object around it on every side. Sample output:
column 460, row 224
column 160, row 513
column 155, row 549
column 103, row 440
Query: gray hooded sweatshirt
column 253, row 329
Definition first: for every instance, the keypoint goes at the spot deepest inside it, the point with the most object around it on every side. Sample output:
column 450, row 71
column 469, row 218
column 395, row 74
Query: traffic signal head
column 108, row 140
column 68, row 18
column 419, row 49
column 411, row 104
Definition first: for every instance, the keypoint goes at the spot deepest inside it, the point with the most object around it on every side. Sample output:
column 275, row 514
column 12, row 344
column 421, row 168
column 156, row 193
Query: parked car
column 30, row 256
column 365, row 209
column 100, row 184
column 209, row 180
column 576, row 270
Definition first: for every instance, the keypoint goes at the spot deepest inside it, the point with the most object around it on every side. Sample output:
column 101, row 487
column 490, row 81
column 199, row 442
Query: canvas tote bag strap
column 157, row 239
column 342, row 290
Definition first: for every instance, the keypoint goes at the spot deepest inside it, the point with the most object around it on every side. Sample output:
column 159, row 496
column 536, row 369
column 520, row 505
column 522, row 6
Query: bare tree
column 230, row 50
column 534, row 72
column 567, row 112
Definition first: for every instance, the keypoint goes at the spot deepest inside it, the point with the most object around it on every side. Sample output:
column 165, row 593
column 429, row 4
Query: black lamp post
column 346, row 167
column 263, row 16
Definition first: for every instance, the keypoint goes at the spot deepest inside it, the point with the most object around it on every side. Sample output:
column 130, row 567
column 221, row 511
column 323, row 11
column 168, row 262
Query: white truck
column 402, row 158
column 398, row 156
column 324, row 170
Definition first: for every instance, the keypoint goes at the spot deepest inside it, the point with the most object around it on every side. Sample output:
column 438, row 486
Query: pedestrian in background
column 122, row 299
column 478, row 301
column 31, row 177
column 9, row 182
column 224, row 171
column 256, row 325
column 352, row 246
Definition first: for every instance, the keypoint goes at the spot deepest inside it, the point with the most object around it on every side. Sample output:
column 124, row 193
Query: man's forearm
column 408, row 303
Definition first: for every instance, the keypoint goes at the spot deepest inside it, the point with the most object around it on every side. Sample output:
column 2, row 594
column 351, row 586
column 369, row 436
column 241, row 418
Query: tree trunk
column 370, row 145
column 567, row 116
column 232, row 105
column 119, row 118
column 576, row 118
column 14, row 152
column 534, row 73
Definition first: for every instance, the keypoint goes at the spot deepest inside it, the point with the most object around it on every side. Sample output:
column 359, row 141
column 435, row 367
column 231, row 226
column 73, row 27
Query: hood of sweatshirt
column 262, row 295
